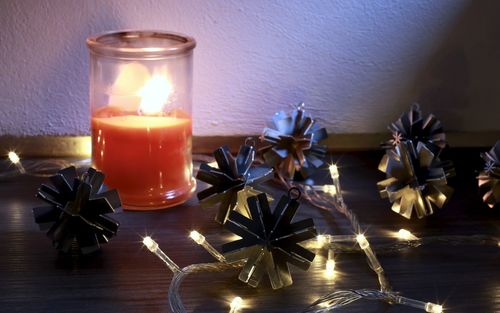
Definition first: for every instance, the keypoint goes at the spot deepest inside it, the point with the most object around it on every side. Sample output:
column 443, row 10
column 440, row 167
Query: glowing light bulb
column 334, row 171
column 321, row 240
column 150, row 244
column 363, row 243
column 331, row 189
column 406, row 235
column 13, row 157
column 16, row 160
column 370, row 255
column 197, row 237
column 433, row 308
column 337, row 193
column 236, row 305
column 155, row 248
column 200, row 239
column 428, row 307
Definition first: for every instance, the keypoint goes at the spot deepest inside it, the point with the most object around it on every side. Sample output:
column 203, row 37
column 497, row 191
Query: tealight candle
column 140, row 99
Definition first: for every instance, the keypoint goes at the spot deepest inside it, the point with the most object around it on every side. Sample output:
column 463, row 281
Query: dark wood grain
column 124, row 277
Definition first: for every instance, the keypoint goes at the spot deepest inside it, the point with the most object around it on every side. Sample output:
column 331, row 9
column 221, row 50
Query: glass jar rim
column 114, row 43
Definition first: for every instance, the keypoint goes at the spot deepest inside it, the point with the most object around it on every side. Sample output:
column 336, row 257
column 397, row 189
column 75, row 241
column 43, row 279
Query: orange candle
column 140, row 101
column 147, row 158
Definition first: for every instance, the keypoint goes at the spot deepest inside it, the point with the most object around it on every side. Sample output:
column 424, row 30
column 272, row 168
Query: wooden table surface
column 125, row 277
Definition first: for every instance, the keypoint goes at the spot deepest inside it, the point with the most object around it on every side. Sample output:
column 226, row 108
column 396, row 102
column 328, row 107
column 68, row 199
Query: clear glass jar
column 140, row 103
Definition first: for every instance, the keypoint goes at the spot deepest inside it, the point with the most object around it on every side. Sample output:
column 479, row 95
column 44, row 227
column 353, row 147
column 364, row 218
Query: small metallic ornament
column 269, row 240
column 417, row 179
column 77, row 211
column 231, row 181
column 293, row 144
column 489, row 177
column 412, row 126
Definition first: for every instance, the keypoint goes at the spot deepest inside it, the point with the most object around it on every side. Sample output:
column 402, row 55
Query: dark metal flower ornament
column 417, row 179
column 269, row 241
column 489, row 178
column 412, row 126
column 77, row 211
column 293, row 144
column 231, row 181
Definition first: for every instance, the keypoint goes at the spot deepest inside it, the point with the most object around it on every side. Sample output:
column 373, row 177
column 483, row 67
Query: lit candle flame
column 154, row 95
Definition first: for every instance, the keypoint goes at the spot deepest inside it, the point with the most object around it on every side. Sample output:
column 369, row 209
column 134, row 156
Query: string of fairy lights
column 325, row 304
column 334, row 244
column 38, row 168
column 326, row 197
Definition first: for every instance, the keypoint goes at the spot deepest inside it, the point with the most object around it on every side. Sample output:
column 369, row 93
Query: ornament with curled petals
column 489, row 177
column 78, row 210
column 231, row 181
column 416, row 179
column 269, row 240
column 293, row 144
column 412, row 126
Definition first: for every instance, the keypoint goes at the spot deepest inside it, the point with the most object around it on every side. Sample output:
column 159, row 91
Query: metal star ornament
column 269, row 240
column 413, row 126
column 489, row 177
column 416, row 179
column 293, row 144
column 77, row 210
column 231, row 181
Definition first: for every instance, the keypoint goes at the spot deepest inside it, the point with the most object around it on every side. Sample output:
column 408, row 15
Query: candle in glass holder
column 140, row 93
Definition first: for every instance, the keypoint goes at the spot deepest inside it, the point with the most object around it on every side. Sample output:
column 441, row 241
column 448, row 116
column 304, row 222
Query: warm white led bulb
column 16, row 160
column 363, row 243
column 334, row 171
column 331, row 189
column 406, row 235
column 13, row 157
column 236, row 304
column 433, row 308
column 200, row 239
column 197, row 237
column 321, row 239
column 150, row 243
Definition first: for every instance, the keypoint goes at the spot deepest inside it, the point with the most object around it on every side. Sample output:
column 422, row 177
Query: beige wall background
column 356, row 64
